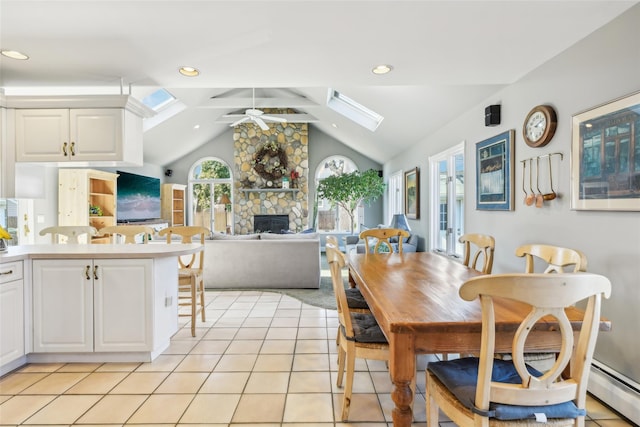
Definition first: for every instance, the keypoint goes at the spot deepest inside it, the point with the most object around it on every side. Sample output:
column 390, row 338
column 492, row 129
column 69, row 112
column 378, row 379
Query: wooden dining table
column 414, row 297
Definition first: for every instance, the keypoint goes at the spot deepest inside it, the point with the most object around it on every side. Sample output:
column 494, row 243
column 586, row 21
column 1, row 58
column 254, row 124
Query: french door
column 447, row 192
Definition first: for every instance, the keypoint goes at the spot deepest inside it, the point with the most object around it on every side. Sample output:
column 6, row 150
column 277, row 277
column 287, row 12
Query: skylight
column 353, row 110
column 158, row 99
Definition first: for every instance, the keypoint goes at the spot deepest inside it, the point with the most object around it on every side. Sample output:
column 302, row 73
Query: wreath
column 270, row 161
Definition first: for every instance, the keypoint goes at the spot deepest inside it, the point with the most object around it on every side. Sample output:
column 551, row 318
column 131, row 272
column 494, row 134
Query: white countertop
column 51, row 251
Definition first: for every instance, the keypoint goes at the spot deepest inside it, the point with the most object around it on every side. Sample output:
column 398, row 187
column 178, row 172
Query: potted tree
column 348, row 190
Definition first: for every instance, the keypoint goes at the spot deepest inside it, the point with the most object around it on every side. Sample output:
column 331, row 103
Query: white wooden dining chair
column 69, row 233
column 484, row 391
column 482, row 246
column 359, row 335
column 556, row 258
column 128, row 232
column 190, row 272
column 382, row 239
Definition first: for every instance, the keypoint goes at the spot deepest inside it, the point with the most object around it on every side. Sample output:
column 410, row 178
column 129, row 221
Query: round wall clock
column 539, row 126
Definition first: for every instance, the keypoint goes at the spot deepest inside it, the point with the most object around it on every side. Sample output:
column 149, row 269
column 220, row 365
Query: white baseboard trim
column 614, row 389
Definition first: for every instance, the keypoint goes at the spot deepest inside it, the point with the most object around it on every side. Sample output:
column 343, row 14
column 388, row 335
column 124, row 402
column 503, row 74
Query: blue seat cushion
column 355, row 299
column 366, row 329
column 461, row 376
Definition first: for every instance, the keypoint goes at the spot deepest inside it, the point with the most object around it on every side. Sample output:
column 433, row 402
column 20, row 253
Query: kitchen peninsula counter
column 88, row 303
column 52, row 251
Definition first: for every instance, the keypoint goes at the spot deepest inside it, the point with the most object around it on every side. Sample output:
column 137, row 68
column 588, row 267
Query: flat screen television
column 138, row 198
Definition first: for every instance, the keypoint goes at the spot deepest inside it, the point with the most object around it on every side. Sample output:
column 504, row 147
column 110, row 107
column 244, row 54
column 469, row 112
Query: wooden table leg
column 402, row 367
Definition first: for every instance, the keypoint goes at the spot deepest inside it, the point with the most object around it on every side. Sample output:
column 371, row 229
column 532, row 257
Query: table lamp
column 400, row 221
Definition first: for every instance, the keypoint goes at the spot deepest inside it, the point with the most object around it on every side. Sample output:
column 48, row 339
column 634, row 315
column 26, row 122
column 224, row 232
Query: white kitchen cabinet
column 85, row 305
column 98, row 131
column 11, row 312
column 77, row 135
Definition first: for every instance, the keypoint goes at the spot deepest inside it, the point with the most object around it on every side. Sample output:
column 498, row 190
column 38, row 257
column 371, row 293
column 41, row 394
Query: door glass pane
column 202, row 205
column 443, row 206
column 458, row 186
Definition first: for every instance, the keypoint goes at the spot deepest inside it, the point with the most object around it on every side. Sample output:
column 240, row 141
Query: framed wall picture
column 605, row 156
column 494, row 172
column 412, row 193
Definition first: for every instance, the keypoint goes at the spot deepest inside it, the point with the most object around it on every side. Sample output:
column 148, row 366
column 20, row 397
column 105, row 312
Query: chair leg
column 432, row 410
column 346, row 401
column 202, row 300
column 194, row 305
column 341, row 357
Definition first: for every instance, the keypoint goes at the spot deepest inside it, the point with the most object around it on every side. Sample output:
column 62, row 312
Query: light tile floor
column 261, row 359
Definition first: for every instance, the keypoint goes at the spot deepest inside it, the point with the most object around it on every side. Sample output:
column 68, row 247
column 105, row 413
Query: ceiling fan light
column 189, row 71
column 14, row 54
column 382, row 69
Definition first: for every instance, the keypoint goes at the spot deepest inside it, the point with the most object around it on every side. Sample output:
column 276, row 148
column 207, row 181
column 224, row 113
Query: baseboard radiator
column 616, row 390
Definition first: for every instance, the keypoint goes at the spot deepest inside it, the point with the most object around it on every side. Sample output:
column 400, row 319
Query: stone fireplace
column 256, row 195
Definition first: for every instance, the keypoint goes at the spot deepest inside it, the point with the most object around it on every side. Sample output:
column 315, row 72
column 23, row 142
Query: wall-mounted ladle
column 552, row 195
column 524, row 190
column 529, row 199
column 539, row 196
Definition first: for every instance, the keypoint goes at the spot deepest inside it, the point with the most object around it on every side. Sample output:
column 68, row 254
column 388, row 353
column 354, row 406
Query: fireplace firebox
column 277, row 224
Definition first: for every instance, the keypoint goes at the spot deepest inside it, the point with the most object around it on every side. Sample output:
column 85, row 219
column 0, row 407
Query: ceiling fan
column 256, row 116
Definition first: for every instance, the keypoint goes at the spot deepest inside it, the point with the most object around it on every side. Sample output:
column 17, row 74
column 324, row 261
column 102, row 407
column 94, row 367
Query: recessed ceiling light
column 382, row 69
column 14, row 54
column 189, row 71
column 196, row 127
column 334, row 125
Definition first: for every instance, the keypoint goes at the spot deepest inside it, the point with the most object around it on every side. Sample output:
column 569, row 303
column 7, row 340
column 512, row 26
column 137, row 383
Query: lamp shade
column 400, row 221
column 224, row 200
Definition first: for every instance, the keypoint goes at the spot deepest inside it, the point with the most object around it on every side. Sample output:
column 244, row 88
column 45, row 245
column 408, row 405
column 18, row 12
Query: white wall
column 602, row 67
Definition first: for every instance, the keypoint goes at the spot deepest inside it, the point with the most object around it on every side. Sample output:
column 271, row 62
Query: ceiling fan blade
column 274, row 119
column 260, row 123
column 242, row 120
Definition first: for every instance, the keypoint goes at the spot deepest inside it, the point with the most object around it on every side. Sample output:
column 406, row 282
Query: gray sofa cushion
column 272, row 236
column 219, row 236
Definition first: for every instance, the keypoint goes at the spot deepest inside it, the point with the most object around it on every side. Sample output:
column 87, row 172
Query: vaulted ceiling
column 447, row 57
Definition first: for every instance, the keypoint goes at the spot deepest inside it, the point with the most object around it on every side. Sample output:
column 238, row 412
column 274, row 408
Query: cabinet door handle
column 95, row 272
column 2, row 273
column 86, row 272
column 73, row 148
column 64, row 149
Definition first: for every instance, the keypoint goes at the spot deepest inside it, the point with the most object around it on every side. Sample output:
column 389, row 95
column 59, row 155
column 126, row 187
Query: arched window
column 210, row 185
column 335, row 219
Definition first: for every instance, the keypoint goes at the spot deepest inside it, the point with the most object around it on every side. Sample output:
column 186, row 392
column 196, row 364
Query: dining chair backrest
column 337, row 261
column 556, row 257
column 69, row 233
column 376, row 238
column 188, row 233
column 482, row 246
column 129, row 232
column 474, row 391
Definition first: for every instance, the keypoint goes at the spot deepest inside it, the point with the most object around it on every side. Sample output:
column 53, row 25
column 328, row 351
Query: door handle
column 64, row 149
column 95, row 273
column 73, row 148
column 86, row 272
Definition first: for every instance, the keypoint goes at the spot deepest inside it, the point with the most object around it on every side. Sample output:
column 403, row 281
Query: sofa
column 262, row 260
